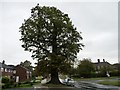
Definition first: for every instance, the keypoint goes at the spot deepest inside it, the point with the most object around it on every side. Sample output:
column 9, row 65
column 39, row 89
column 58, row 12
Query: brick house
column 17, row 73
column 6, row 70
column 22, row 74
column 102, row 65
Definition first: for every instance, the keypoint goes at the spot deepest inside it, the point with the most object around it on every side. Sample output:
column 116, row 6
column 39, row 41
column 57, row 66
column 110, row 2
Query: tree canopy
column 85, row 67
column 51, row 37
column 27, row 64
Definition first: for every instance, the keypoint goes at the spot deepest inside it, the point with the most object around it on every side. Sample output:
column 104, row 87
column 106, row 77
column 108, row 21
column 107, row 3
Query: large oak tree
column 52, row 38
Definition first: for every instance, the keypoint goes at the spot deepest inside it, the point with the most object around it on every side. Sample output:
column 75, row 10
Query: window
column 27, row 71
column 9, row 70
column 2, row 69
column 5, row 70
column 14, row 71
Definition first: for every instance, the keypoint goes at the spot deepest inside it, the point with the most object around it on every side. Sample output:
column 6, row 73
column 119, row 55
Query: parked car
column 69, row 82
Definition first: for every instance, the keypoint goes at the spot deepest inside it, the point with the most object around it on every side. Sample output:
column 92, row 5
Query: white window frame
column 2, row 69
column 5, row 69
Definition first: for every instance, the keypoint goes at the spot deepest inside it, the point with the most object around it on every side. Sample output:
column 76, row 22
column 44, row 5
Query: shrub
column 15, row 85
column 19, row 83
column 26, row 82
column 5, row 80
column 31, row 83
column 115, row 73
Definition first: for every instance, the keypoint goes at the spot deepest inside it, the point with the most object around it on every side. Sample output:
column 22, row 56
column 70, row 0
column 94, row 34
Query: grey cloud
column 97, row 21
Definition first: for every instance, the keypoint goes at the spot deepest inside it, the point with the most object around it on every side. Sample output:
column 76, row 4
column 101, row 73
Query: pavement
column 40, row 86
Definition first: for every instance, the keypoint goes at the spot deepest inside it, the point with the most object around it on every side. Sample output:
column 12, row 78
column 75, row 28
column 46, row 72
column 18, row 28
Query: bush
column 115, row 73
column 26, row 82
column 15, row 85
column 39, row 78
column 7, row 82
column 19, row 84
column 31, row 83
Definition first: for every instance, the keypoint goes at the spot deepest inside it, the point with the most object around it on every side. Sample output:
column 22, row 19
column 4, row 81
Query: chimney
column 103, row 60
column 98, row 60
column 3, row 62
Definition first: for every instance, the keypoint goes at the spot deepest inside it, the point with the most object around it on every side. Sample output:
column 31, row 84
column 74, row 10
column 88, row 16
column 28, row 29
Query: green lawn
column 77, row 79
column 55, row 85
column 24, row 86
column 20, row 85
column 105, row 80
column 99, row 78
column 114, row 83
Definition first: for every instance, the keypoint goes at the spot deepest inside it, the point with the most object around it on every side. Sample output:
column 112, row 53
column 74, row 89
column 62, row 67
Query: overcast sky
column 98, row 22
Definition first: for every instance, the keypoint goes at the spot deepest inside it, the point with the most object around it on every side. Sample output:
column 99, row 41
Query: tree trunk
column 54, row 70
column 54, row 77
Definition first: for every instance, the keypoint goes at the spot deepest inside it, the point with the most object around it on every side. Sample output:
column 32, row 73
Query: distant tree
column 52, row 38
column 72, row 72
column 27, row 64
column 116, row 66
column 115, row 70
column 85, row 68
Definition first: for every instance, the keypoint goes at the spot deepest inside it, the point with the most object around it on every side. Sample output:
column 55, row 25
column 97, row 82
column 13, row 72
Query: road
column 89, row 85
column 79, row 85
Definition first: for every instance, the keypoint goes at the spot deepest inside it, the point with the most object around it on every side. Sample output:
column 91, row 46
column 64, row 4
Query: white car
column 69, row 82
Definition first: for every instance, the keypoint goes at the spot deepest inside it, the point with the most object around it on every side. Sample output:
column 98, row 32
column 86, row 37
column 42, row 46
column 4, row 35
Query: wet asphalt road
column 78, row 86
column 88, row 85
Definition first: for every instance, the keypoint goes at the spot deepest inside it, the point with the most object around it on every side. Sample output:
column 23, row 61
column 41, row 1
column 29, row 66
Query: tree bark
column 54, row 70
column 54, row 77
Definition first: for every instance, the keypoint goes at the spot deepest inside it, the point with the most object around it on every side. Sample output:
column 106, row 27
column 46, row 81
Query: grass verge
column 19, row 85
column 56, row 85
column 99, row 78
column 113, row 83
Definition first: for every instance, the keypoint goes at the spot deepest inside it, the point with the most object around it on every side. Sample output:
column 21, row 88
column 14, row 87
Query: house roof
column 23, row 67
column 11, row 66
column 6, row 66
column 101, row 63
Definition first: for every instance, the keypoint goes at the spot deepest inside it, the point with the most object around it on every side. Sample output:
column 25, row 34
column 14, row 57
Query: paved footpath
column 40, row 87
